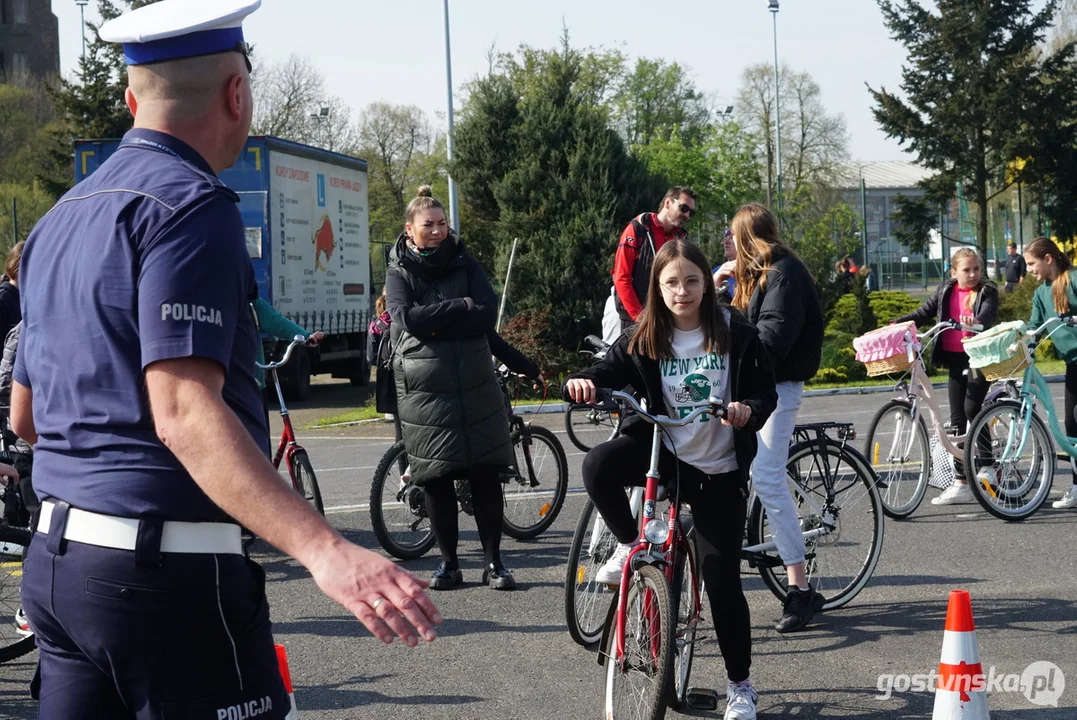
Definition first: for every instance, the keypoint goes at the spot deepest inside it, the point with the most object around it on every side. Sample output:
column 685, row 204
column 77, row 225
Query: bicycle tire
column 892, row 472
column 411, row 507
column 1011, row 488
column 12, row 644
column 521, row 495
column 683, row 588
column 585, row 600
column 587, row 425
column 656, row 660
column 821, row 552
column 305, row 481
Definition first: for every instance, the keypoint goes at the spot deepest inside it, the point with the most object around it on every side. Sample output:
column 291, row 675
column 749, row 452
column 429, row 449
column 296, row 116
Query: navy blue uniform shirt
column 145, row 260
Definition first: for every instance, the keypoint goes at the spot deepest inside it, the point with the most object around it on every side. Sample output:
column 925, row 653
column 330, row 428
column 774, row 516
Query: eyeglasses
column 686, row 210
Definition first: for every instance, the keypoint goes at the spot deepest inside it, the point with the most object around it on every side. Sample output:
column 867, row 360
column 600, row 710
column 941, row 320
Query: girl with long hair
column 686, row 348
column 778, row 294
column 1057, row 295
column 969, row 298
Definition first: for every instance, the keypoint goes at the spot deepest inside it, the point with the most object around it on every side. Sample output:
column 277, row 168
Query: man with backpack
column 640, row 242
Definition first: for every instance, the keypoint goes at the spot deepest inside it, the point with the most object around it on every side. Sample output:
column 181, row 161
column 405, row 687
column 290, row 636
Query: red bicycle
column 650, row 632
column 288, row 449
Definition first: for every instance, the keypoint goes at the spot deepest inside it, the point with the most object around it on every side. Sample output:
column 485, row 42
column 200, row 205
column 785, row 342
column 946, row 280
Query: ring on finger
column 374, row 605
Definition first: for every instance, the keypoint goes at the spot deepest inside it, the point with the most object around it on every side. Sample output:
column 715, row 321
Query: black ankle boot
column 497, row 576
column 447, row 576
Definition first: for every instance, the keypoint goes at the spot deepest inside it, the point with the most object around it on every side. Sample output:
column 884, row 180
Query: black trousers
column 719, row 506
column 967, row 392
column 488, row 503
column 1071, row 407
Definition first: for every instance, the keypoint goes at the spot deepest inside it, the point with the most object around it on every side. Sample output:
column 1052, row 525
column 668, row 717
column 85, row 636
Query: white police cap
column 175, row 29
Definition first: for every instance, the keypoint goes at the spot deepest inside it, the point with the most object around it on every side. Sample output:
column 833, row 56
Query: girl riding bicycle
column 1057, row 295
column 685, row 349
column 971, row 299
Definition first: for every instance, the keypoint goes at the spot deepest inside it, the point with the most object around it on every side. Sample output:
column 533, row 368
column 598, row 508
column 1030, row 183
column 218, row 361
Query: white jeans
column 769, row 476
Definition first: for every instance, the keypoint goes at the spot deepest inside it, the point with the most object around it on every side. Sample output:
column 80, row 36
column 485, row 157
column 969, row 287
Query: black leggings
column 487, row 500
column 718, row 510
column 967, row 392
column 1071, row 407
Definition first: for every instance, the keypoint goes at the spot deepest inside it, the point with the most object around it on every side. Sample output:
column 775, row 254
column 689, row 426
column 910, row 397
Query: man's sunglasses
column 686, row 210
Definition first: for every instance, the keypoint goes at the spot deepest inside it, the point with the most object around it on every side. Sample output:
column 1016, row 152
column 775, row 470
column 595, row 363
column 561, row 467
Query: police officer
column 135, row 380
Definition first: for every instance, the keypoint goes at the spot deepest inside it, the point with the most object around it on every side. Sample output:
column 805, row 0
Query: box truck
column 308, row 234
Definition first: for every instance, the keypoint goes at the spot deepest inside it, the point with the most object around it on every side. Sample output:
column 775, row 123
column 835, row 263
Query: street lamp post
column 454, row 208
column 724, row 115
column 773, row 7
column 82, row 17
column 322, row 117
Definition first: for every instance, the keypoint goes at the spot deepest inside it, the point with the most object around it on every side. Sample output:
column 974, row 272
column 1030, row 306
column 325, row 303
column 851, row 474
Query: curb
column 559, row 407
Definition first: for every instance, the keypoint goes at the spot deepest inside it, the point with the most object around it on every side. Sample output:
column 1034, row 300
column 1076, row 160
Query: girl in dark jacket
column 450, row 406
column 968, row 298
column 686, row 348
column 778, row 294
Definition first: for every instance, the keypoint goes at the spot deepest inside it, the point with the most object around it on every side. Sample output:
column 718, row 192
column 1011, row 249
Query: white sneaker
column 610, row 573
column 405, row 477
column 956, row 494
column 1069, row 500
column 740, row 701
column 987, row 476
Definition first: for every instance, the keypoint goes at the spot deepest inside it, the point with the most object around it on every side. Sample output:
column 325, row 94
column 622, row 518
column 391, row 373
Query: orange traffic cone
column 960, row 691
column 286, row 676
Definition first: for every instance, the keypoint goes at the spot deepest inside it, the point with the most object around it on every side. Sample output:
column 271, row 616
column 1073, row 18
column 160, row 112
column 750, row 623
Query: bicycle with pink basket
column 903, row 455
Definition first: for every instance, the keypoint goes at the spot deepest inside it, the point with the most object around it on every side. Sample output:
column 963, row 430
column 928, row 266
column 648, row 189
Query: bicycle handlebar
column 296, row 342
column 950, row 325
column 1063, row 319
column 715, row 407
column 597, row 343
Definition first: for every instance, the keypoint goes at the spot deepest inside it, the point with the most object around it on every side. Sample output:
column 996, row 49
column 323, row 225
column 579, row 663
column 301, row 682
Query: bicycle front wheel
column 841, row 518
column 1012, row 462
column 636, row 682
column 536, row 492
column 398, row 508
column 587, row 425
column 899, row 453
column 16, row 639
column 305, row 481
column 586, row 601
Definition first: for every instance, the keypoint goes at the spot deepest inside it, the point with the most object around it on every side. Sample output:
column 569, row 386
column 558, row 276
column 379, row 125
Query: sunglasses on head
column 686, row 210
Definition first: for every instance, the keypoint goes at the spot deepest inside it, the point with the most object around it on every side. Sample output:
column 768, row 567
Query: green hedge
column 839, row 363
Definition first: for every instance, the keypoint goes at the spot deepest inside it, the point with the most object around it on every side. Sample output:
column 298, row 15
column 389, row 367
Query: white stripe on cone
column 293, row 714
column 948, row 706
column 958, row 647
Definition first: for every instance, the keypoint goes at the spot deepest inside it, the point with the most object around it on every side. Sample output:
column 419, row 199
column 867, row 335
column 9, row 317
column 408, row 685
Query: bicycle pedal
column 701, row 699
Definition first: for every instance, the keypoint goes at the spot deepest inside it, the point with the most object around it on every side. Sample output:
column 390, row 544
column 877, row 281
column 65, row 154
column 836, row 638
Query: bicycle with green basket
column 1014, row 471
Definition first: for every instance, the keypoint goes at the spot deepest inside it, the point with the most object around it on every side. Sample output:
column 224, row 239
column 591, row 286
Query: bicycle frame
column 919, row 389
column 287, row 446
column 1034, row 388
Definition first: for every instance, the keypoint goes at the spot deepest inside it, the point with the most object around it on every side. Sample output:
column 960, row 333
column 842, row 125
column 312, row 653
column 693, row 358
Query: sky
column 395, row 51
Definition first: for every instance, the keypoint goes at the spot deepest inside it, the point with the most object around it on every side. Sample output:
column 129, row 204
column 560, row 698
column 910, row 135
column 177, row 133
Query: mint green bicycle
column 1013, row 477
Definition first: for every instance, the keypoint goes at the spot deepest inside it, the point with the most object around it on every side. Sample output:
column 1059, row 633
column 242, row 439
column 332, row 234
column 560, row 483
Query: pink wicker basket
column 889, row 349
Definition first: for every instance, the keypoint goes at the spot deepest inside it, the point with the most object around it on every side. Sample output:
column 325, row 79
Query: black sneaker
column 447, row 576
column 497, row 576
column 800, row 608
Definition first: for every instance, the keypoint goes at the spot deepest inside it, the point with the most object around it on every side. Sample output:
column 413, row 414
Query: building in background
column 894, row 266
column 29, row 39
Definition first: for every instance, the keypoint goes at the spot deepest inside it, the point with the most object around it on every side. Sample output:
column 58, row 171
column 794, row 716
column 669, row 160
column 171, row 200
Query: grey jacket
column 7, row 367
column 451, row 409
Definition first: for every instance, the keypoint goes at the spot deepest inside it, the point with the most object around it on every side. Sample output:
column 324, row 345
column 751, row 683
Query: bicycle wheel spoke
column 1012, row 461
column 841, row 515
column 635, row 684
column 536, row 490
column 897, row 450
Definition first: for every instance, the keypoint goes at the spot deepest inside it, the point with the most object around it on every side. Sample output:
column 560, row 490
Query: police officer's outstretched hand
column 383, row 596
